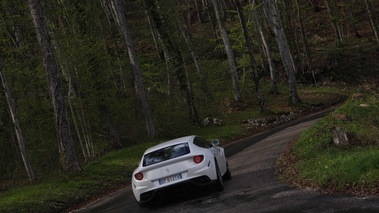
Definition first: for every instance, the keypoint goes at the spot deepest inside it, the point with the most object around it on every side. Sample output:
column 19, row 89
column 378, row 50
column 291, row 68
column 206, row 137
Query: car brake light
column 198, row 159
column 139, row 176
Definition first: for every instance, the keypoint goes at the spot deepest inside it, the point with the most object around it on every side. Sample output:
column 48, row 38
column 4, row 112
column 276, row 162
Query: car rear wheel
column 220, row 182
column 228, row 174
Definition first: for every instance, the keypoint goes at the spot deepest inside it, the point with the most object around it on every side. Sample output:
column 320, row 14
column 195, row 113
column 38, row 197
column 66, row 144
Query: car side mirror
column 215, row 142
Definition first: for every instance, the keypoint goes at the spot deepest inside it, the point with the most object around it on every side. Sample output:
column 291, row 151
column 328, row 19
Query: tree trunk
column 369, row 7
column 173, row 56
column 169, row 68
column 274, row 21
column 334, row 18
column 314, row 5
column 253, row 63
column 112, row 132
column 86, row 129
column 229, row 51
column 307, row 50
column 207, row 8
column 70, row 97
column 187, row 37
column 65, row 143
column 273, row 74
column 17, row 127
column 155, row 35
column 352, row 19
column 118, row 9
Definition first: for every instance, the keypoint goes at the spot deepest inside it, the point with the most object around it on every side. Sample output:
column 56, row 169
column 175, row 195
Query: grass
column 317, row 162
column 61, row 192
column 340, row 170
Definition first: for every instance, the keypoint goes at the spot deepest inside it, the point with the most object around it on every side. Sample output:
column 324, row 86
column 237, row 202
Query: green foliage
column 331, row 167
column 341, row 169
column 62, row 191
column 222, row 133
column 351, row 62
column 314, row 140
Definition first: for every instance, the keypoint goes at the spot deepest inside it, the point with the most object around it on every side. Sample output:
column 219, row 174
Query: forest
column 84, row 78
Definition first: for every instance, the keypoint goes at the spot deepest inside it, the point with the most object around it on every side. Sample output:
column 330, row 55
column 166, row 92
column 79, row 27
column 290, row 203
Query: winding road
column 254, row 186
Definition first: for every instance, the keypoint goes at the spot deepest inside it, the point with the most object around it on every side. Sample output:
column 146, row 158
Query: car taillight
column 139, row 176
column 198, row 159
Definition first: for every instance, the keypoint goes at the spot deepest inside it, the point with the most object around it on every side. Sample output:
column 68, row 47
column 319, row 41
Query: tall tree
column 17, row 127
column 314, row 5
column 267, row 49
column 253, row 62
column 118, row 9
column 285, row 53
column 69, row 161
column 156, row 40
column 173, row 56
column 228, row 49
column 331, row 5
column 187, row 35
column 373, row 20
column 350, row 17
column 308, row 55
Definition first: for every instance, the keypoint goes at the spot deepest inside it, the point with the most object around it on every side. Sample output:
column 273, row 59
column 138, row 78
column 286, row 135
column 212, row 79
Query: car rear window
column 166, row 153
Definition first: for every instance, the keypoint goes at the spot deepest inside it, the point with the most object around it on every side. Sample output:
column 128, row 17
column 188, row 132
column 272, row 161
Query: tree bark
column 70, row 97
column 274, row 21
column 372, row 19
column 229, row 51
column 187, row 37
column 112, row 132
column 17, row 127
column 351, row 18
column 253, row 63
column 307, row 50
column 197, row 11
column 155, row 35
column 273, row 73
column 66, row 147
column 314, row 5
column 118, row 9
column 173, row 57
column 331, row 6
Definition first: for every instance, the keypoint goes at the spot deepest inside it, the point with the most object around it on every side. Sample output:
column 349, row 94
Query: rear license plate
column 170, row 179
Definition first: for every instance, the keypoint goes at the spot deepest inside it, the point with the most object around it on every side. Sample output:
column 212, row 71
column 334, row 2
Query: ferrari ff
column 177, row 165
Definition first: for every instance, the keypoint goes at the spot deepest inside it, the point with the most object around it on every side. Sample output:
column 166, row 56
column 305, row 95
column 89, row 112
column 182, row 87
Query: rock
column 340, row 117
column 357, row 97
column 270, row 121
column 212, row 122
column 340, row 138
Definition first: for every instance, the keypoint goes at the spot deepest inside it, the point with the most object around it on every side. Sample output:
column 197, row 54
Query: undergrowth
column 314, row 160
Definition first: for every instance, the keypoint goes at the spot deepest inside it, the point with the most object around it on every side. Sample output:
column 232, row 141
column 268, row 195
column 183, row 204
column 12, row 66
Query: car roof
column 170, row 143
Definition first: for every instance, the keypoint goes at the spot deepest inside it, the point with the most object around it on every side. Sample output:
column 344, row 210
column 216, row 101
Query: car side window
column 201, row 143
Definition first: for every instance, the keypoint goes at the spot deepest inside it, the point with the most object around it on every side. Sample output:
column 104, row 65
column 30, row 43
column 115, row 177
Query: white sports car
column 177, row 165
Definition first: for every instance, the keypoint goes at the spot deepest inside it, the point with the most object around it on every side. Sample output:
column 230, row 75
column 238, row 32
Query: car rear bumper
column 175, row 190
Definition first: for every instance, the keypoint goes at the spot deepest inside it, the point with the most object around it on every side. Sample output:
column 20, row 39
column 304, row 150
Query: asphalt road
column 254, row 186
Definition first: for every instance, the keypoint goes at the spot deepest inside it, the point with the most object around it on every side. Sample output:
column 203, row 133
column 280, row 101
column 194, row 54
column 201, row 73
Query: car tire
column 228, row 174
column 141, row 205
column 220, row 182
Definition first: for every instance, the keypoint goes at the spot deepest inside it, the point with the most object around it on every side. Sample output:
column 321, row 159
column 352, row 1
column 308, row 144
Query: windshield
column 166, row 153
